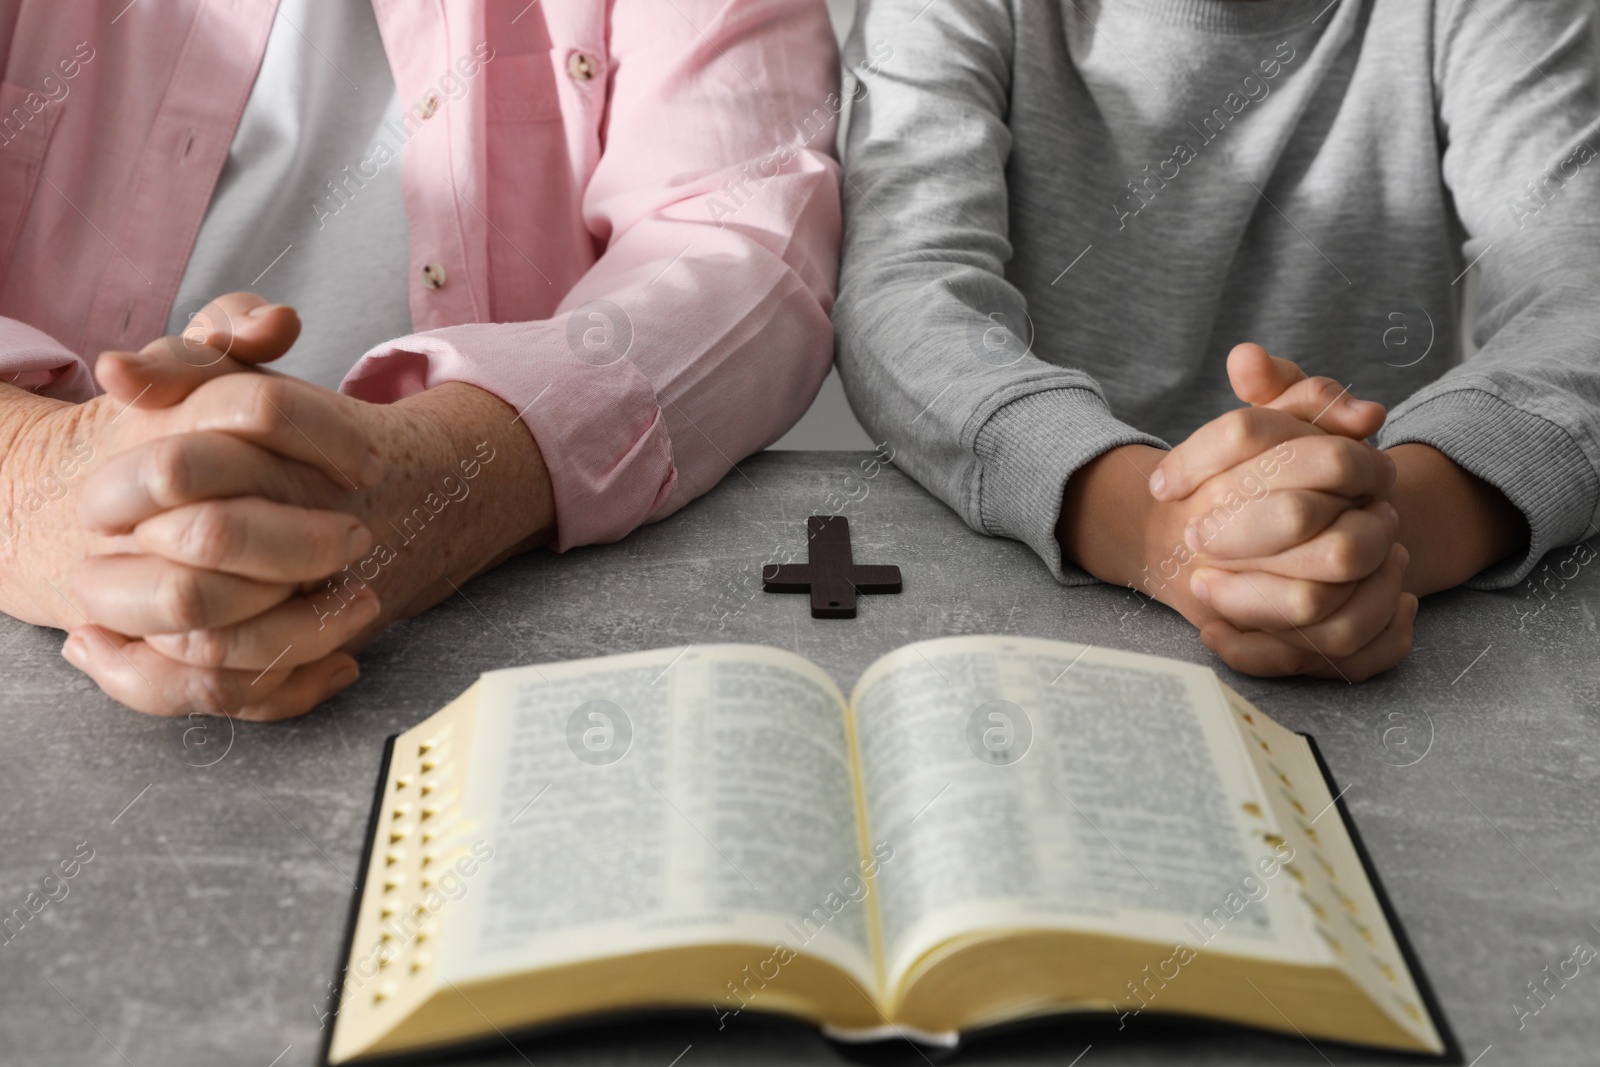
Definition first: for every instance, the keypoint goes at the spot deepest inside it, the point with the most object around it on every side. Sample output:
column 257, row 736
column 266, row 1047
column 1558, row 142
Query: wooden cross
column 831, row 577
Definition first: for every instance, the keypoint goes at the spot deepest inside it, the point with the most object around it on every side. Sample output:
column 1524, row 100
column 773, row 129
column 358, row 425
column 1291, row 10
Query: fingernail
column 1404, row 556
column 264, row 310
column 1416, row 605
column 75, row 651
column 369, row 606
column 1393, row 471
column 356, row 542
column 1158, row 483
column 1191, row 537
column 1389, row 510
column 1197, row 586
column 1205, row 639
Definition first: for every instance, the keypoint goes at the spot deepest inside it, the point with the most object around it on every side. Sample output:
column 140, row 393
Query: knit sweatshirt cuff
column 1027, row 450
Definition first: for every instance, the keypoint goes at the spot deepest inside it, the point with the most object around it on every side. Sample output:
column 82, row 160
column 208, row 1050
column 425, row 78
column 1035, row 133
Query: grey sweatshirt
column 1060, row 216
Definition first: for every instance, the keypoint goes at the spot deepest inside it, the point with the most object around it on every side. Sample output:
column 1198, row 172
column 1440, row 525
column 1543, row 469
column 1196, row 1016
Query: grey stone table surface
column 207, row 924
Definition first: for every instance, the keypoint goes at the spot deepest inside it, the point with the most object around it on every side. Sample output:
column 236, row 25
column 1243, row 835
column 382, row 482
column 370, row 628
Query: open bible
column 989, row 829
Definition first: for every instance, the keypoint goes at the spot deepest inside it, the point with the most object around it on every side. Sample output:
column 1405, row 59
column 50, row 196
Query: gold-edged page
column 1327, row 872
column 424, row 851
column 1030, row 784
column 684, row 796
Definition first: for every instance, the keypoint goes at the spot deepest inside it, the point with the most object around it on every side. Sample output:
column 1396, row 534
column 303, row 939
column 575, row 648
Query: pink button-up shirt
column 632, row 206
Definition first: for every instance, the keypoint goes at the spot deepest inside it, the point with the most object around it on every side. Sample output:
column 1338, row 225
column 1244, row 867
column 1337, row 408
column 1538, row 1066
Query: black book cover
column 348, row 942
column 1452, row 1047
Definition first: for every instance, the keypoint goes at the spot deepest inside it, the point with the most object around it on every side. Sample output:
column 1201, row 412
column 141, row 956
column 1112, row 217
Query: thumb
column 1259, row 378
column 226, row 336
column 1266, row 381
column 1327, row 405
column 243, row 327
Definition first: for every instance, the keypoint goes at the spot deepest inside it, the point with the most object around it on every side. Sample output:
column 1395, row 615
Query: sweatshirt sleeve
column 1518, row 89
column 935, row 346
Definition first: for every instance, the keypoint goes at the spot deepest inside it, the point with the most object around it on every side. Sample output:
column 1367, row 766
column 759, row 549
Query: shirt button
column 433, row 275
column 430, row 104
column 582, row 67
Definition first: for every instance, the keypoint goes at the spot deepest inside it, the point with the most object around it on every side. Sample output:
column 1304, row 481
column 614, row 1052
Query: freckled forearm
column 466, row 488
column 41, row 465
column 22, row 415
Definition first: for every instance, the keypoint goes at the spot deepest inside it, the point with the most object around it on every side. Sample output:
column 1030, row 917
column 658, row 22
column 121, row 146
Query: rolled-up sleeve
column 32, row 360
column 702, row 332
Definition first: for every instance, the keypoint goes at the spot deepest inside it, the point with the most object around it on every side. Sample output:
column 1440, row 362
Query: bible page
column 684, row 796
column 1332, row 882
column 1028, row 784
